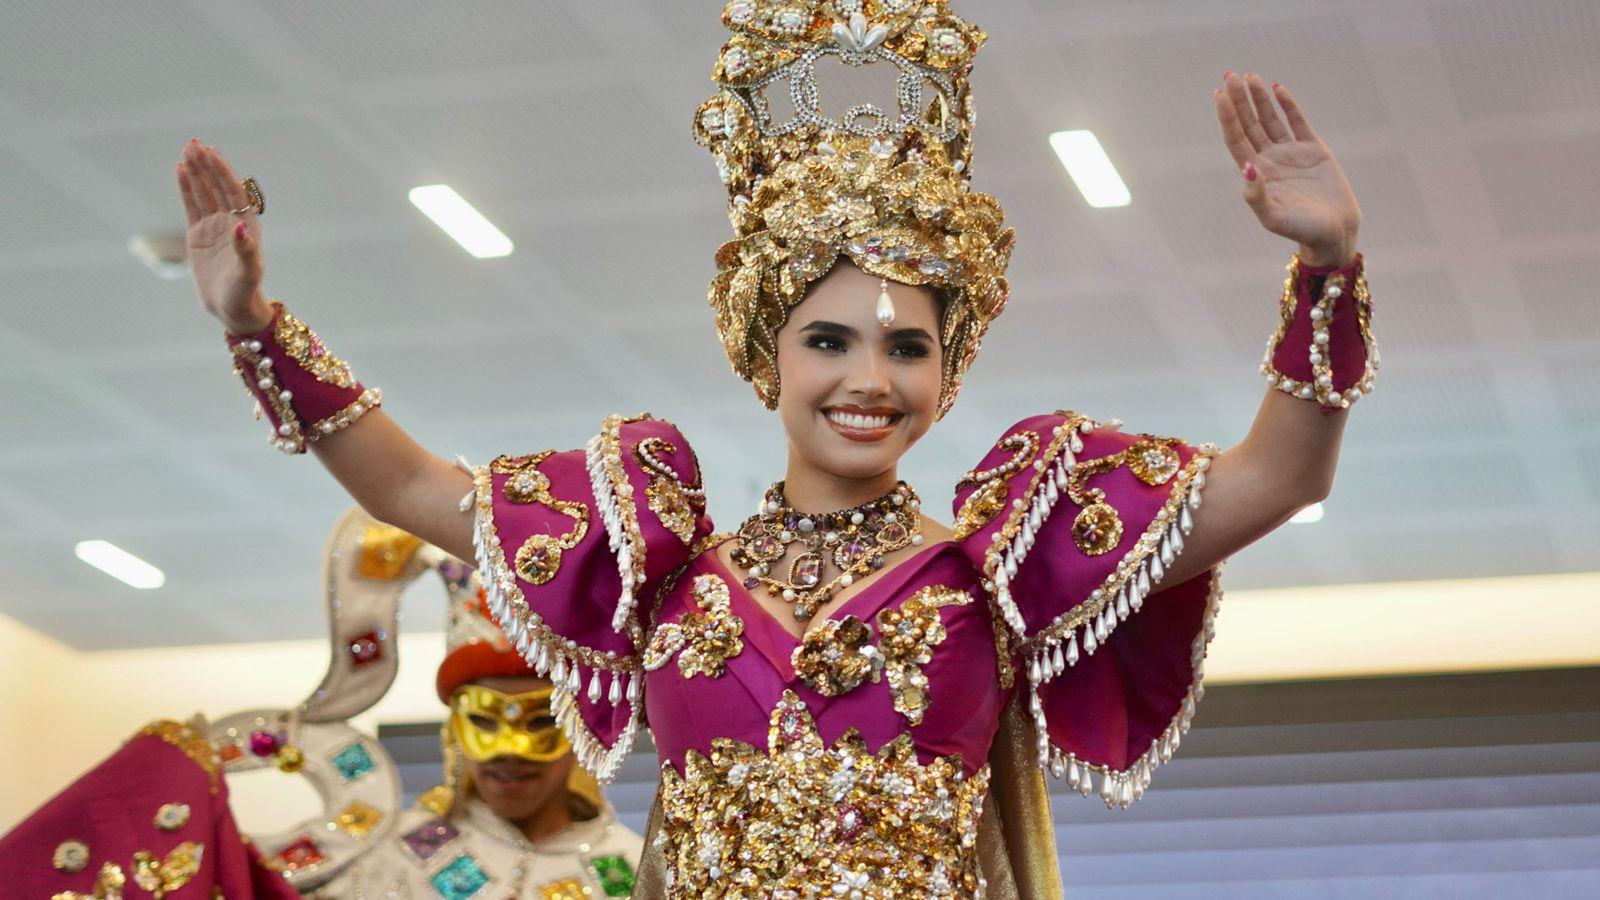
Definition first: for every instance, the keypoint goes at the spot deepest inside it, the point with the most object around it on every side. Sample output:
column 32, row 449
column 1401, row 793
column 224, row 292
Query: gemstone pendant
column 892, row 534
column 806, row 570
column 885, row 305
column 849, row 555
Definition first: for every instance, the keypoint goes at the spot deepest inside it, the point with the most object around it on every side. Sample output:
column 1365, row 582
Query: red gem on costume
column 303, row 852
column 364, row 648
column 230, row 752
column 263, row 743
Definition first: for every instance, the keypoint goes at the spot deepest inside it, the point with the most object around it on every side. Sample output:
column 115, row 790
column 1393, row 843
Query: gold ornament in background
column 385, row 550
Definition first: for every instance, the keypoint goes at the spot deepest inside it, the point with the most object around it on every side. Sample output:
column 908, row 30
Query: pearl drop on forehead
column 885, row 304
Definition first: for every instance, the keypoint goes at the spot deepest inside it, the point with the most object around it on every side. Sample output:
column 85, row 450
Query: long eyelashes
column 903, row 350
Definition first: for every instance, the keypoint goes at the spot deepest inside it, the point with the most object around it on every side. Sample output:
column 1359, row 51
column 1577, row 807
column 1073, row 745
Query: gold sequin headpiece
column 890, row 190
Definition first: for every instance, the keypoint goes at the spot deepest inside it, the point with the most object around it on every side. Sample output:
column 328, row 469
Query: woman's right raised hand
column 224, row 245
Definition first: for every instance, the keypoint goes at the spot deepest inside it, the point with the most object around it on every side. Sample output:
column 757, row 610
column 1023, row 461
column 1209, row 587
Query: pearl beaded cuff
column 1323, row 349
column 306, row 392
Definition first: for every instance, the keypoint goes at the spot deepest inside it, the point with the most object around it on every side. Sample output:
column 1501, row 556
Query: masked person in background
column 516, row 814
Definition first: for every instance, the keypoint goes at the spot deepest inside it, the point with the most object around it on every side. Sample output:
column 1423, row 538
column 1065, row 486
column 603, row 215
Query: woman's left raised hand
column 1291, row 180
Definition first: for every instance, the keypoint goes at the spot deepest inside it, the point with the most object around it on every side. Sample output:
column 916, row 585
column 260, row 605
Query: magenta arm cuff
column 306, row 392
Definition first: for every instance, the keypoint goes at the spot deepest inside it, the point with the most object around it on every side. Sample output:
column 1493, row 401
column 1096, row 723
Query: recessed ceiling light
column 1310, row 514
column 1090, row 168
column 465, row 225
column 120, row 564
column 163, row 252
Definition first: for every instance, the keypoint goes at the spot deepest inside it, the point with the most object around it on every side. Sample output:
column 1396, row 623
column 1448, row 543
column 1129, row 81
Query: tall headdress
column 888, row 189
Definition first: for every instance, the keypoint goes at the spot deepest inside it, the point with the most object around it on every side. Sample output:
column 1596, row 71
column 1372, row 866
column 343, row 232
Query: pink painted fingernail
column 1249, row 173
column 241, row 231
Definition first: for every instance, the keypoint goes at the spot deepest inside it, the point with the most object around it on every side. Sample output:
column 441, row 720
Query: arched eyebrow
column 840, row 330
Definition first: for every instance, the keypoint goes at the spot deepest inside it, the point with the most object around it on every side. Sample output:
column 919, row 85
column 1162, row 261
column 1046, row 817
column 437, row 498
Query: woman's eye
column 910, row 350
column 484, row 723
column 825, row 344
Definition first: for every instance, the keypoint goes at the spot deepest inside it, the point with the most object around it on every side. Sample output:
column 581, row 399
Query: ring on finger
column 258, row 204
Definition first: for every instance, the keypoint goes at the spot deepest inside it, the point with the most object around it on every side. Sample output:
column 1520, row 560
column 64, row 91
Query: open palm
column 223, row 238
column 1292, row 182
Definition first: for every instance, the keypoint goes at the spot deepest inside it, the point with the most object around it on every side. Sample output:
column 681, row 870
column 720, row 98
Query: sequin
column 385, row 551
column 837, row 656
column 1097, row 529
column 108, row 885
column 538, row 560
column 705, row 638
column 614, row 874
column 358, row 819
column 172, row 816
column 802, row 819
column 429, row 838
column 678, row 505
column 302, row 345
column 906, row 638
column 71, row 857
column 300, row 853
column 1153, row 462
column 461, row 879
column 353, row 761
column 161, row 876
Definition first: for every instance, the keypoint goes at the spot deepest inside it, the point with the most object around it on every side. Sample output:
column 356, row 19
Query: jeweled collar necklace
column 849, row 543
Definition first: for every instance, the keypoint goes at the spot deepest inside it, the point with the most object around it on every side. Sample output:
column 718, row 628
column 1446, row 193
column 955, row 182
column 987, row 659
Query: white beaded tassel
column 1121, row 789
column 617, row 538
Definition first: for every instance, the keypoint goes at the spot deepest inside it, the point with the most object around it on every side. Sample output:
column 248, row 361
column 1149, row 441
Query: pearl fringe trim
column 1055, row 648
column 1120, row 788
column 560, row 659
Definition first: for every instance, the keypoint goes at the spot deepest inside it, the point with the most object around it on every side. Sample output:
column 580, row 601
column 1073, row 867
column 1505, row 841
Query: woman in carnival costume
column 848, row 697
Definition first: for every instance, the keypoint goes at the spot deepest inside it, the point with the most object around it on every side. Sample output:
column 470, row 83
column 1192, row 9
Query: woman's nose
column 870, row 375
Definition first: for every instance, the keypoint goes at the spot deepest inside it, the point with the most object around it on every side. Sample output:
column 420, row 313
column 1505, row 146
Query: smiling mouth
column 863, row 424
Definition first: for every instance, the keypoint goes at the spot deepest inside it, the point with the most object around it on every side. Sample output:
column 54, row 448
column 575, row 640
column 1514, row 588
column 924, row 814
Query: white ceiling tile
column 1560, row 297
column 1512, row 59
column 529, row 149
column 1449, row 550
column 652, row 269
column 304, row 171
column 1541, row 187
column 92, row 311
column 51, row 215
column 1421, row 402
column 1154, row 85
column 58, row 57
column 1577, row 380
column 38, row 412
column 1395, row 484
column 366, row 40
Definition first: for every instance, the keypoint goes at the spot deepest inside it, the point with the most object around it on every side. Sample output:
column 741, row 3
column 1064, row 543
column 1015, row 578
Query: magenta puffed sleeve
column 570, row 545
column 1074, row 524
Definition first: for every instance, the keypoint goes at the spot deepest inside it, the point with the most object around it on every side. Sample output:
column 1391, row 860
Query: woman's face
column 855, row 395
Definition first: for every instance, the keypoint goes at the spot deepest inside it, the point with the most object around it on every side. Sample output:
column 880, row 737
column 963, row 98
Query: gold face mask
column 487, row 724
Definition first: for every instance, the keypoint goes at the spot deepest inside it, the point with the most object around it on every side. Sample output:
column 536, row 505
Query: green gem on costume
column 614, row 874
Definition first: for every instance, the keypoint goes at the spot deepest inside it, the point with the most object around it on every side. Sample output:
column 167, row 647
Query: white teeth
column 863, row 423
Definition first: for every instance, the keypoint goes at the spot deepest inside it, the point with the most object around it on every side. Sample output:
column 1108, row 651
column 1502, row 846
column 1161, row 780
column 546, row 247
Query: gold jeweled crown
column 888, row 189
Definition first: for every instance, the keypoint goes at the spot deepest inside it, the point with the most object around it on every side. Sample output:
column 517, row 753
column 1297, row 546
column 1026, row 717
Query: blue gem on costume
column 353, row 761
column 461, row 879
